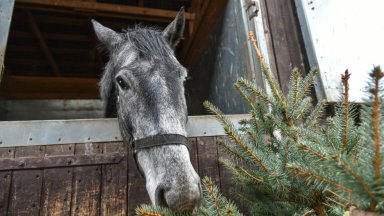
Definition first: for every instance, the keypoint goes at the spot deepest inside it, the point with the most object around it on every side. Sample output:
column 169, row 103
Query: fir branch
column 295, row 82
column 229, row 150
column 307, row 83
column 256, row 178
column 337, row 195
column 359, row 181
column 257, row 92
column 304, row 106
column 314, row 152
column 345, row 80
column 208, row 185
column 334, row 201
column 376, row 74
column 286, row 154
column 312, row 119
column 239, row 141
column 241, row 196
column 142, row 212
column 267, row 73
column 310, row 174
column 244, row 95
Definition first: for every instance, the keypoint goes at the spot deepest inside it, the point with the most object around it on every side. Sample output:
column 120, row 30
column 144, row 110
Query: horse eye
column 124, row 85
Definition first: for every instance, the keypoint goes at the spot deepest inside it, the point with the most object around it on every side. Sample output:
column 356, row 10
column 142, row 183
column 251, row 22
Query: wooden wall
column 86, row 178
column 285, row 41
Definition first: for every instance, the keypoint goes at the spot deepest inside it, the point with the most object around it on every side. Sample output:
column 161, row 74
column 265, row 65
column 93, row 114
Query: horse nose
column 178, row 198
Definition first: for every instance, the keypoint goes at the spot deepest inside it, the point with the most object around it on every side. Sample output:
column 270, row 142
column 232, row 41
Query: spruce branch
column 212, row 193
column 267, row 73
column 294, row 91
column 246, row 84
column 359, row 181
column 307, row 83
column 316, row 113
column 239, row 141
column 310, row 174
column 345, row 80
column 376, row 75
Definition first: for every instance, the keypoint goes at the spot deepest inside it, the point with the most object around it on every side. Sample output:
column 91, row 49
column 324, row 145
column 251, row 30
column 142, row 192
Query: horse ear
column 106, row 36
column 175, row 30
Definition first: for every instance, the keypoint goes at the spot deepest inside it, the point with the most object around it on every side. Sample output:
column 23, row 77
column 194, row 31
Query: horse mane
column 149, row 42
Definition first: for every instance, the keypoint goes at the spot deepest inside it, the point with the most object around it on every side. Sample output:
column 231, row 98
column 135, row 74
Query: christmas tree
column 285, row 162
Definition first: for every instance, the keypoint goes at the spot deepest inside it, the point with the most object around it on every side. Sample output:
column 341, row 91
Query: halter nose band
column 157, row 140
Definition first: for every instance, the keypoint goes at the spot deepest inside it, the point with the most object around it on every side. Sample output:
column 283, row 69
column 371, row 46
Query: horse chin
column 171, row 182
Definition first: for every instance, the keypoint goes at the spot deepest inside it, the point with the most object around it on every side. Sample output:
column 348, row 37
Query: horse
column 143, row 83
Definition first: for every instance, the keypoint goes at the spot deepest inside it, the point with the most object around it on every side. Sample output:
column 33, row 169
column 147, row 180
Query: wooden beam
column 38, row 87
column 39, row 37
column 32, row 49
column 52, row 36
column 209, row 14
column 97, row 7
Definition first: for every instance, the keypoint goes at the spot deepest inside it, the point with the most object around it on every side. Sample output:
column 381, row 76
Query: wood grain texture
column 286, row 38
column 208, row 159
column 5, row 181
column 26, row 185
column 137, row 193
column 114, row 198
column 57, row 184
column 86, row 183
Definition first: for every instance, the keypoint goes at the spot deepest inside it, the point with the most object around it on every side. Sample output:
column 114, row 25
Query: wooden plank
column 5, row 181
column 225, row 174
column 26, row 185
column 24, row 87
column 137, row 193
column 86, row 183
column 97, row 7
column 114, row 199
column 51, row 36
column 59, row 161
column 208, row 159
column 193, row 153
column 57, row 184
column 288, row 47
column 32, row 49
column 41, row 41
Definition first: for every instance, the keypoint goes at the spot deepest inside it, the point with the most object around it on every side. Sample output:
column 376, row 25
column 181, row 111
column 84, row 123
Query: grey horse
column 144, row 83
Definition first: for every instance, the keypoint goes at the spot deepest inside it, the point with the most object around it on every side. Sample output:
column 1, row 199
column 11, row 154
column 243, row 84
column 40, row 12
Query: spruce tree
column 290, row 164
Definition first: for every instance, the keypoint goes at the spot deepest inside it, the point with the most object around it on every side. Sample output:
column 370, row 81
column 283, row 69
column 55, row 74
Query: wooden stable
column 81, row 167
column 52, row 53
column 54, row 42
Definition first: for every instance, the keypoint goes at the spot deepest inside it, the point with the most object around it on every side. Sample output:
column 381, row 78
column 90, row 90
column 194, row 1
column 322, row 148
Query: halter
column 154, row 141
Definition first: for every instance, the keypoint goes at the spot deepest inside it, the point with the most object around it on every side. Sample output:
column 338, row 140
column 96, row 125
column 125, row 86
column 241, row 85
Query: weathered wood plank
column 26, row 185
column 289, row 50
column 225, row 174
column 114, row 182
column 59, row 161
column 5, row 181
column 86, row 183
column 57, row 184
column 193, row 153
column 208, row 163
column 137, row 193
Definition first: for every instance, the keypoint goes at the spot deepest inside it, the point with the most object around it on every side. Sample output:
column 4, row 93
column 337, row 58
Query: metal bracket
column 256, row 10
column 23, row 163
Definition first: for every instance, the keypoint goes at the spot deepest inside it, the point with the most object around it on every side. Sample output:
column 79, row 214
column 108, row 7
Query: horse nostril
column 160, row 197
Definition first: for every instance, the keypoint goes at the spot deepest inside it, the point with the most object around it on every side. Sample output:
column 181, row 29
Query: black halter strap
column 157, row 140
